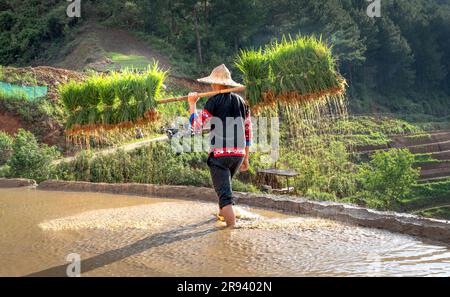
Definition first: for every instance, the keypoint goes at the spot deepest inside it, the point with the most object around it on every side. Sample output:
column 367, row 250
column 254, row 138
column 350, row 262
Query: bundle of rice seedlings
column 115, row 101
column 90, row 95
column 292, row 71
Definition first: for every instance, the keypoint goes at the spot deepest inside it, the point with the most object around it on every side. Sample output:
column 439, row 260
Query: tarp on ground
column 27, row 92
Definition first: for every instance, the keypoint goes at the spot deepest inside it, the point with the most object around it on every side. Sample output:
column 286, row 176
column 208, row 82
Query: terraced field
column 431, row 197
column 432, row 150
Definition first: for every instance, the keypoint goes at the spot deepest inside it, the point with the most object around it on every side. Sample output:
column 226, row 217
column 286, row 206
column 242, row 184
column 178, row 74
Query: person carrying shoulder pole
column 231, row 136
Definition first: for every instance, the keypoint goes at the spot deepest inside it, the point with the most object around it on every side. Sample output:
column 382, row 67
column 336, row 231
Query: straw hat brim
column 218, row 81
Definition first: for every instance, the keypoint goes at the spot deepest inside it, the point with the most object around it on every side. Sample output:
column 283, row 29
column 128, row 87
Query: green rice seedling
column 292, row 71
column 81, row 117
column 138, row 85
column 255, row 67
column 94, row 116
column 123, row 114
column 72, row 119
column 70, row 95
column 107, row 92
column 107, row 115
column 90, row 95
column 155, row 80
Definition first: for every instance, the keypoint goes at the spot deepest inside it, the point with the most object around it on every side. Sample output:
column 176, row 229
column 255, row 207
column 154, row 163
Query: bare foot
column 228, row 214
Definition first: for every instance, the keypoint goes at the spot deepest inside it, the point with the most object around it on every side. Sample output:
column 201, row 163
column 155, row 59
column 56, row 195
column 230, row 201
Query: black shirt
column 231, row 125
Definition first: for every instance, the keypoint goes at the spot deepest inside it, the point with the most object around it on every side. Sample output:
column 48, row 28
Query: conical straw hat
column 220, row 76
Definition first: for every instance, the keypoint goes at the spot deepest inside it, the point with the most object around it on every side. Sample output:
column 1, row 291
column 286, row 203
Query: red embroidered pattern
column 248, row 128
column 226, row 152
column 206, row 115
column 199, row 121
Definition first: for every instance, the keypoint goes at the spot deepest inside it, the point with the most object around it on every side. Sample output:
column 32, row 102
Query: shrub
column 155, row 164
column 239, row 186
column 327, row 169
column 320, row 196
column 5, row 171
column 6, row 147
column 387, row 178
column 80, row 167
column 30, row 159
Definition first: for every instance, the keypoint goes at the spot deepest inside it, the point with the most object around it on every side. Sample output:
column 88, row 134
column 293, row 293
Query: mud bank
column 395, row 222
column 16, row 183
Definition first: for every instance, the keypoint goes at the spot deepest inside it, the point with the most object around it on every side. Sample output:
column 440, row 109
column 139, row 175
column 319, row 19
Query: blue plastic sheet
column 29, row 93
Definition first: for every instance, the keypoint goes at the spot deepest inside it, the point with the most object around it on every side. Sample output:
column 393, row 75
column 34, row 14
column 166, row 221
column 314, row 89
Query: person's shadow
column 142, row 245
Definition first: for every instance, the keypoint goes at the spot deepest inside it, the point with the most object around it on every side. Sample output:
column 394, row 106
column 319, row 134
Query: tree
column 388, row 178
column 236, row 23
column 394, row 57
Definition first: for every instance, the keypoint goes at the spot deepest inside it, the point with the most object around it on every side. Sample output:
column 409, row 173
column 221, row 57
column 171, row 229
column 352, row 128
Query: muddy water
column 134, row 236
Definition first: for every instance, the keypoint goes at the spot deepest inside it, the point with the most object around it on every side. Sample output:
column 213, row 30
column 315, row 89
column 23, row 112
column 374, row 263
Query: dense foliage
column 155, row 164
column 30, row 159
column 424, row 195
column 29, row 27
column 6, row 147
column 388, row 178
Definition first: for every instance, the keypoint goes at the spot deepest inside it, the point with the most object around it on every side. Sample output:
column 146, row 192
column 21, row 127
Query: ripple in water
column 183, row 239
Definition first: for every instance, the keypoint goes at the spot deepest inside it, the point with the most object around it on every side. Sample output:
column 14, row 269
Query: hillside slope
column 94, row 46
column 99, row 48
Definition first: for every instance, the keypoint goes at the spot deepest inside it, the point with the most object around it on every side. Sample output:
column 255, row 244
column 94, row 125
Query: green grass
column 371, row 130
column 130, row 61
column 424, row 122
column 2, row 73
column 383, row 124
column 427, row 195
column 374, row 138
column 425, row 158
column 442, row 213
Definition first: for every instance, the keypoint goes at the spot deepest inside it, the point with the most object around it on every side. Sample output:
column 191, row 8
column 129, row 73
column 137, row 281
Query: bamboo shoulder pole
column 201, row 95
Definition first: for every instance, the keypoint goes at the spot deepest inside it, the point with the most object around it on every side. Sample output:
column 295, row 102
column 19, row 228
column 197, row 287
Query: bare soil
column 9, row 123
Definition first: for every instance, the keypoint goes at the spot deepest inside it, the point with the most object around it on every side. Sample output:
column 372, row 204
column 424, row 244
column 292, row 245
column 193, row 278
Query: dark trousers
column 222, row 171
